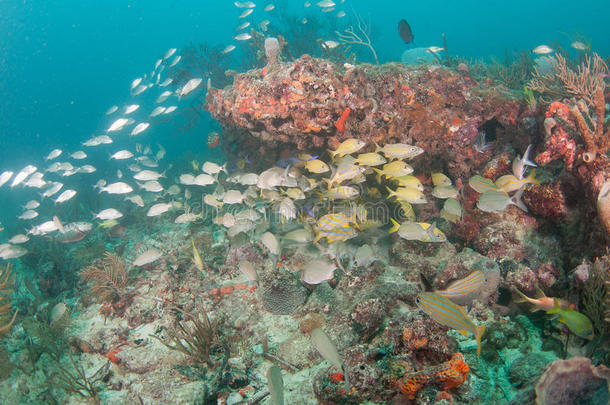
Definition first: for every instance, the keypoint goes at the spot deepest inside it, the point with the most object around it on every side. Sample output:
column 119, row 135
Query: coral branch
column 6, row 288
column 349, row 36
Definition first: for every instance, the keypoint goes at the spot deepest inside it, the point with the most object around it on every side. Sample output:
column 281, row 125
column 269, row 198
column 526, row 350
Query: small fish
column 370, row 159
column 246, row 13
column 347, row 147
column 481, row 184
column 408, row 194
column 420, row 231
column 8, row 251
column 394, row 169
column 316, row 166
column 233, row 197
column 170, row 109
column 166, row 82
column 242, row 26
column 169, row 53
column 65, row 196
column 269, row 7
column 228, row 48
column 22, row 175
column 163, row 96
column 122, row 154
column 175, row 61
column 247, row 269
column 212, row 168
column 271, row 243
column 576, row 322
column 444, row 192
column 579, row 46
column 138, row 129
column 5, row 177
column 404, row 30
column 341, row 193
column 196, row 257
column 131, row 108
column 542, row 303
column 330, row 44
column 445, row 312
column 341, row 14
column 439, row 179
column 325, row 3
column 509, row 183
column 116, row 188
column 30, row 214
column 409, row 181
column 190, row 86
column 117, row 125
column 152, row 186
column 244, row 36
column 108, row 214
column 157, row 111
column 136, row 199
column 464, row 290
column 78, row 155
column 343, row 173
column 135, row 83
column 158, row 209
column 435, row 49
column 19, row 239
column 452, row 210
column 53, row 154
column 317, row 271
column 335, row 220
column 335, row 235
column 407, row 211
column 147, row 175
column 147, row 257
column 542, row 50
column 498, row 201
column 519, row 163
column 112, row 109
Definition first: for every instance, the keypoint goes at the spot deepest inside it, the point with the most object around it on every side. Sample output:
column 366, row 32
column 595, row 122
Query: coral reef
column 314, row 104
column 7, row 316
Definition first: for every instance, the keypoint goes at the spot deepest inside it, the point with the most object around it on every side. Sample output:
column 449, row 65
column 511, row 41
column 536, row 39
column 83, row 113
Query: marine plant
column 7, row 316
column 73, row 378
column 361, row 36
column 514, row 72
column 565, row 82
column 596, row 300
column 198, row 338
column 108, row 278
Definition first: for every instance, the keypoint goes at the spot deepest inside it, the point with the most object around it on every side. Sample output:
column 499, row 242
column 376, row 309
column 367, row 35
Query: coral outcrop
column 313, row 103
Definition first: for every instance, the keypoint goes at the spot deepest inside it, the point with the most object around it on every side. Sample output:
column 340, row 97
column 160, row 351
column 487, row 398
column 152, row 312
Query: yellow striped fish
column 409, row 181
column 510, row 183
column 196, row 257
column 465, row 290
column 449, row 314
column 399, row 151
column 334, row 235
column 335, row 220
column 481, row 184
column 343, row 173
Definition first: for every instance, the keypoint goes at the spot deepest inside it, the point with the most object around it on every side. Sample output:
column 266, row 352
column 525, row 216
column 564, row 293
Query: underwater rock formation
column 314, row 104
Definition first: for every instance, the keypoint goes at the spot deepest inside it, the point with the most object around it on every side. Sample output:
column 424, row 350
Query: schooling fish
column 347, row 147
column 445, row 312
column 509, row 183
column 404, row 30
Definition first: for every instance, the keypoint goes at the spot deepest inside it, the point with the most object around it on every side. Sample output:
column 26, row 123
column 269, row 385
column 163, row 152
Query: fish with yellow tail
column 542, row 303
column 397, row 168
column 408, row 194
column 369, row 159
column 347, row 147
column 445, row 312
column 399, row 151
column 420, row 231
column 576, row 322
column 196, row 257
column 509, row 182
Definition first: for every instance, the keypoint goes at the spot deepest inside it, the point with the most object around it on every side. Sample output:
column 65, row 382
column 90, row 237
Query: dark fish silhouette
column 405, row 31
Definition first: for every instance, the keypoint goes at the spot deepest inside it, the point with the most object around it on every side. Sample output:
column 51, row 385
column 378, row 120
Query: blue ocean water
column 63, row 64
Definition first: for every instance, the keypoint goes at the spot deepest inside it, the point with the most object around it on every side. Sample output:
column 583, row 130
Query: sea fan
column 6, row 288
column 108, row 278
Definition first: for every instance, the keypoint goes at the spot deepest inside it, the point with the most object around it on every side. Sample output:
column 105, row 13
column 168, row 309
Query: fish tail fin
column 317, row 236
column 377, row 147
column 516, row 200
column 379, row 173
column 395, row 226
column 392, row 193
column 526, row 158
column 523, row 297
column 329, row 182
column 332, row 154
column 479, row 331
column 320, row 194
column 532, row 179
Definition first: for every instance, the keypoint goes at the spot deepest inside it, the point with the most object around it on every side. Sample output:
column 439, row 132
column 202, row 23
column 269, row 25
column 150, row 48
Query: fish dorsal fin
column 540, row 293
